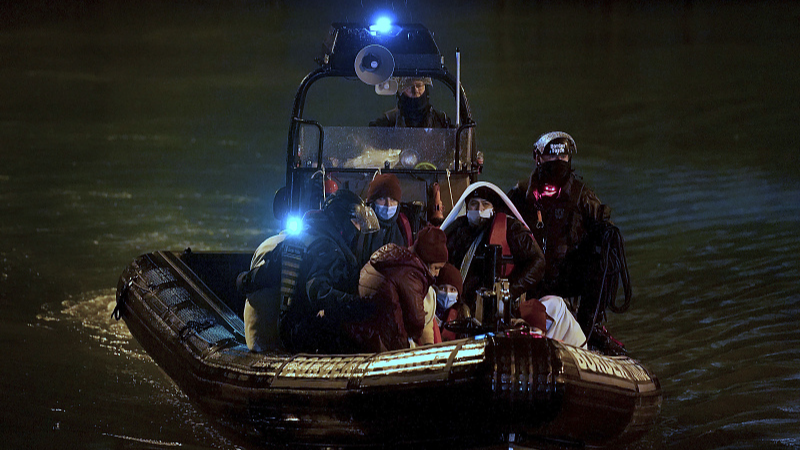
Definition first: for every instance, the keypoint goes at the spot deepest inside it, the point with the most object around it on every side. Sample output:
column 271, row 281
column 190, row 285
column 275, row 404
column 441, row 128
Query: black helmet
column 344, row 205
column 555, row 143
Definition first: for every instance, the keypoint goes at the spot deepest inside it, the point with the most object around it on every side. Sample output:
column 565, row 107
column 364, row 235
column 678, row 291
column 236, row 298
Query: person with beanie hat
column 431, row 247
column 448, row 287
column 448, row 299
column 398, row 280
column 384, row 196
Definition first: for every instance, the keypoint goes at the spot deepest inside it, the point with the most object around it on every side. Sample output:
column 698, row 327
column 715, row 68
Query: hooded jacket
column 529, row 263
column 396, row 280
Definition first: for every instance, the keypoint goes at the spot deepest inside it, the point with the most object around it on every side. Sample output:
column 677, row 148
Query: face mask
column 555, row 173
column 475, row 217
column 385, row 212
column 444, row 300
column 413, row 108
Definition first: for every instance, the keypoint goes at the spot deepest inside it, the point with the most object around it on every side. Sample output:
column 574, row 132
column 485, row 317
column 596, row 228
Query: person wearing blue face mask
column 448, row 296
column 384, row 196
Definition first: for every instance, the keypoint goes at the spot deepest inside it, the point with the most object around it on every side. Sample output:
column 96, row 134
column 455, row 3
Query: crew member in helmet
column 564, row 215
column 325, row 292
column 413, row 107
column 384, row 196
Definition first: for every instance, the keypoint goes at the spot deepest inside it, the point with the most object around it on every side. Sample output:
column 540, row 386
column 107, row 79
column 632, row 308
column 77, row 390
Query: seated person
column 448, row 295
column 481, row 226
column 560, row 323
column 413, row 107
column 469, row 234
column 397, row 280
column 384, row 196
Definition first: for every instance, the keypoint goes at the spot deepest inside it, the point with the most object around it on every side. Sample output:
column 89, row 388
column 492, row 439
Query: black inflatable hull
column 476, row 391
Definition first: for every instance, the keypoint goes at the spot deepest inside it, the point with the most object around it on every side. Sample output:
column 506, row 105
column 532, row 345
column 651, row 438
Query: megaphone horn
column 374, row 64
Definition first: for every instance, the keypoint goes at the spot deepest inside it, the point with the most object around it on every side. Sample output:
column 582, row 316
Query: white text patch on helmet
column 557, row 148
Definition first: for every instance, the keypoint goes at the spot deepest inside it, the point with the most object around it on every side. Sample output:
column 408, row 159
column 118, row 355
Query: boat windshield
column 380, row 148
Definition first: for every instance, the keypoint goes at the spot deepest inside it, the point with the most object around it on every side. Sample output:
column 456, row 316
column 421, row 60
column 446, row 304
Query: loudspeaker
column 374, row 64
column 388, row 87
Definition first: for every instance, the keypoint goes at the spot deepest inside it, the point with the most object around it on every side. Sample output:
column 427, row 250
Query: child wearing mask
column 448, row 295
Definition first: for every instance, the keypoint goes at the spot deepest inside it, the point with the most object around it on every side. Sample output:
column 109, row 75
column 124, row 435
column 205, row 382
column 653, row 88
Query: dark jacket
column 566, row 221
column 529, row 261
column 391, row 232
column 397, row 281
column 327, row 281
column 394, row 118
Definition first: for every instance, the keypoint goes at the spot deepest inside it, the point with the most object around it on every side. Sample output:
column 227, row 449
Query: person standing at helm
column 324, row 277
column 413, row 107
column 384, row 196
column 563, row 213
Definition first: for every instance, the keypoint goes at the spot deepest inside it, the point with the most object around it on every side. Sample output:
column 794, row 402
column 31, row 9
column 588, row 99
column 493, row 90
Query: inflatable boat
column 512, row 386
column 495, row 386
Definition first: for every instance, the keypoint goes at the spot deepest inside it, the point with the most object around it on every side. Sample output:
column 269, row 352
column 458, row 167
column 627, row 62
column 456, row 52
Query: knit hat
column 452, row 276
column 384, row 185
column 431, row 245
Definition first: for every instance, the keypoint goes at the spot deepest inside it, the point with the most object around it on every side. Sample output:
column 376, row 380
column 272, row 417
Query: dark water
column 126, row 129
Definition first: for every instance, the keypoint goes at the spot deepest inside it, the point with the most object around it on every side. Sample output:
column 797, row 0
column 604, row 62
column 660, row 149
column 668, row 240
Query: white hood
column 460, row 208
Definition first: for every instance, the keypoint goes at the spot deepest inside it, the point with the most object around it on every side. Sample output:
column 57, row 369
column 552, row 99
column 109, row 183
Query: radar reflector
column 374, row 64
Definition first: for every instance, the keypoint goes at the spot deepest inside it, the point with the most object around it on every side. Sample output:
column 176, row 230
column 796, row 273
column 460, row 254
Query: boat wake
column 91, row 313
column 144, row 441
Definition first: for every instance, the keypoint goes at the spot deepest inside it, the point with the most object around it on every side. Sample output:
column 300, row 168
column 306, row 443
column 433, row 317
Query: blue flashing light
column 382, row 25
column 294, row 225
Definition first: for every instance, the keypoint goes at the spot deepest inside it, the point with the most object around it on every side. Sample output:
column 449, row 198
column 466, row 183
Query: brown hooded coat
column 397, row 279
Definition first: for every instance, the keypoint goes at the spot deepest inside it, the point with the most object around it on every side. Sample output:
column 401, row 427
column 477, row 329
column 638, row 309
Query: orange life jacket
column 497, row 236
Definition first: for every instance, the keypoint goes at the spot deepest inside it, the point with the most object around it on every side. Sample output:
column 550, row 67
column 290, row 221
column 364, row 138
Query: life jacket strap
column 405, row 225
column 497, row 236
column 291, row 257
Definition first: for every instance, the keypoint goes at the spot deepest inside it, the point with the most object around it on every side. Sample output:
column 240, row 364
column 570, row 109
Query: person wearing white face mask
column 384, row 196
column 483, row 224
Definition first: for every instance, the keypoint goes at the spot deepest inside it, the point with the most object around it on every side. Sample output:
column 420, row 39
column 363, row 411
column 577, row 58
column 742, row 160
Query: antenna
column 458, row 87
